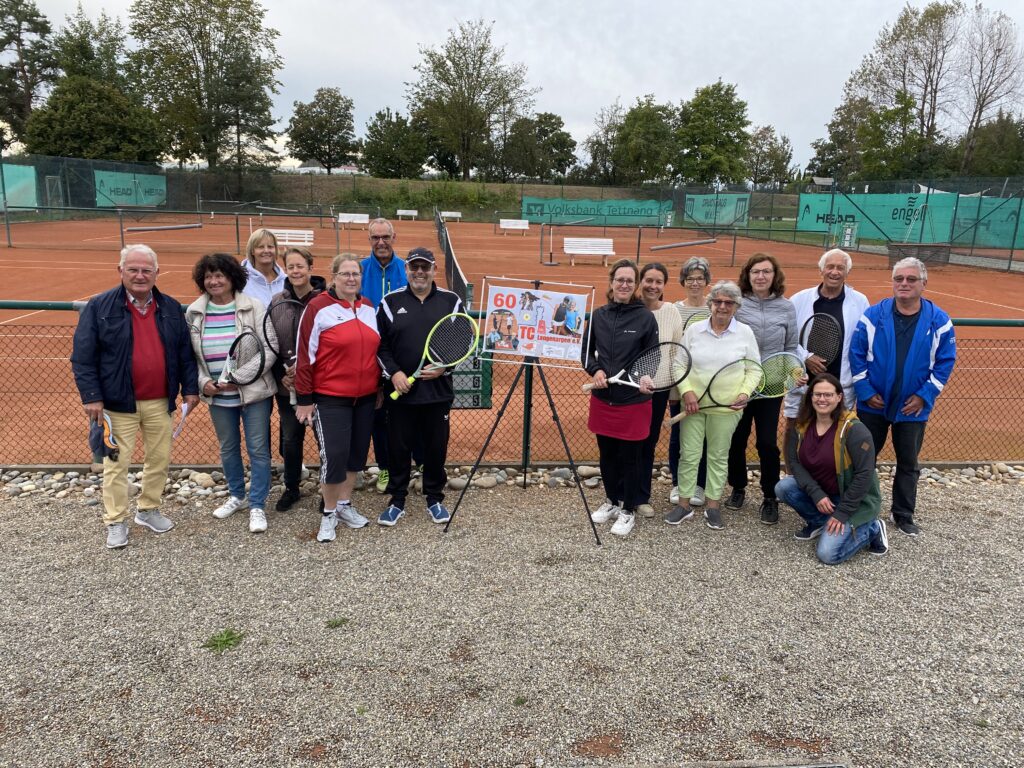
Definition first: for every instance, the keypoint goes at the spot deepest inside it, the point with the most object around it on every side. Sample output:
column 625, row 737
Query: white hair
column 128, row 250
column 835, row 252
column 382, row 222
column 726, row 288
column 911, row 261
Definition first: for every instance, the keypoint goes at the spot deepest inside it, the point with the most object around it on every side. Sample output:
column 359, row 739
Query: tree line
column 934, row 97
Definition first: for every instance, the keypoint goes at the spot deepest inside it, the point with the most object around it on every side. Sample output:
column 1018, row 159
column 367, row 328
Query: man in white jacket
column 833, row 296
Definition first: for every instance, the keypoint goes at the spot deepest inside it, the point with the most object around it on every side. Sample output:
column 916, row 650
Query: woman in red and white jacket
column 337, row 386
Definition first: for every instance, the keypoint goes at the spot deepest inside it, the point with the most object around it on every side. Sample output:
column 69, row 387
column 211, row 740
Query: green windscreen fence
column 20, row 185
column 115, row 189
column 727, row 209
column 557, row 210
column 990, row 222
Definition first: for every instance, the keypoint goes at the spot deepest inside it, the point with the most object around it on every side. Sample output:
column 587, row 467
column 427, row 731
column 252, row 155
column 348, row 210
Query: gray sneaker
column 713, row 518
column 117, row 535
column 152, row 519
column 678, row 514
column 350, row 516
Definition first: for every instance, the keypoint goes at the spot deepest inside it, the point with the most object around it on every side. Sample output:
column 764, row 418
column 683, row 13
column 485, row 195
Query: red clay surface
column 67, row 261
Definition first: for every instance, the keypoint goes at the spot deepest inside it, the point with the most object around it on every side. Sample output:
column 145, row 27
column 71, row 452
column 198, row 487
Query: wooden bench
column 405, row 212
column 457, row 215
column 353, row 218
column 521, row 224
column 293, row 236
column 588, row 246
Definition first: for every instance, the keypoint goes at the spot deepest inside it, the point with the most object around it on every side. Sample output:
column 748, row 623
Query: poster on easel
column 533, row 319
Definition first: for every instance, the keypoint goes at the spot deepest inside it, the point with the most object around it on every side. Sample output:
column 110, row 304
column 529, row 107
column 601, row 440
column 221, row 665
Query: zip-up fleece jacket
column 618, row 333
column 860, row 498
column 379, row 281
column 928, row 366
column 282, row 324
column 337, row 350
column 773, row 321
column 101, row 358
column 405, row 322
column 257, row 287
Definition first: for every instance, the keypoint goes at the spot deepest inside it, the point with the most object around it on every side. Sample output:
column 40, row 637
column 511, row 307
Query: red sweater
column 337, row 349
column 149, row 367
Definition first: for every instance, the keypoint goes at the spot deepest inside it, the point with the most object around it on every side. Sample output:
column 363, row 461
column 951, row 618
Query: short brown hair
column 778, row 281
column 615, row 268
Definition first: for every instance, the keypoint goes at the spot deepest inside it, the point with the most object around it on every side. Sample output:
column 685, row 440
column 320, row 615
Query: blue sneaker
column 439, row 513
column 390, row 516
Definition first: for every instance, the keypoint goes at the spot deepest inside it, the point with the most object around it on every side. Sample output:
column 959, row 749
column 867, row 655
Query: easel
column 527, row 366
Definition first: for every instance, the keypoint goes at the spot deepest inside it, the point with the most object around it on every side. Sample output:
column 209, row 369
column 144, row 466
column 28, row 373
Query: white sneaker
column 697, row 500
column 327, row 525
column 605, row 512
column 624, row 524
column 257, row 520
column 350, row 516
column 673, row 495
column 229, row 507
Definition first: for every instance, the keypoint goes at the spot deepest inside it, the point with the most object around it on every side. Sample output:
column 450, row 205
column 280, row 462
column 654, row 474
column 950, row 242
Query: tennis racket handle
column 292, row 400
column 675, row 419
column 396, row 394
column 588, row 386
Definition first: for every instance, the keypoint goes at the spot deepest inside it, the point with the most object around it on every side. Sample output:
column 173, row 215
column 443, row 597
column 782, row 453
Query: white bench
column 588, row 246
column 353, row 218
column 293, row 236
column 405, row 212
column 522, row 224
column 457, row 215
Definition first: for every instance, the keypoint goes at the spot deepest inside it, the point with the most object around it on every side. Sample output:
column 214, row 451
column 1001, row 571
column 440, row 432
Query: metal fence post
column 527, row 415
column 1016, row 228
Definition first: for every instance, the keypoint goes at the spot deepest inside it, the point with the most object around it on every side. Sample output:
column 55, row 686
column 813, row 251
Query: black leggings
column 764, row 416
column 621, row 466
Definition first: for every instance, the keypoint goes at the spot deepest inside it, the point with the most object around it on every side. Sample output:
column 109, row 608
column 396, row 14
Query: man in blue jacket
column 901, row 356
column 383, row 272
column 132, row 355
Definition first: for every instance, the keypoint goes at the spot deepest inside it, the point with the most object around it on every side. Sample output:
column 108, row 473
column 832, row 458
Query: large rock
column 203, row 480
column 588, row 471
column 457, row 483
column 487, row 481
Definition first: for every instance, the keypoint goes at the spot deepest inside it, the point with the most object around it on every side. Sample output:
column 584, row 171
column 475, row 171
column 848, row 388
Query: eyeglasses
column 723, row 302
column 624, row 281
column 906, row 279
column 420, row 266
column 824, row 395
column 139, row 271
column 758, row 272
column 384, row 238
column 348, row 275
column 694, row 280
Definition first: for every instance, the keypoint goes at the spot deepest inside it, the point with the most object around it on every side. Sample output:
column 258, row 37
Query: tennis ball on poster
column 526, row 317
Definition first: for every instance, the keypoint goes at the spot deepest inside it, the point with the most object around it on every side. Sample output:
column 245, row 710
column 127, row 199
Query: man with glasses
column 383, row 272
column 419, row 417
column 132, row 354
column 901, row 356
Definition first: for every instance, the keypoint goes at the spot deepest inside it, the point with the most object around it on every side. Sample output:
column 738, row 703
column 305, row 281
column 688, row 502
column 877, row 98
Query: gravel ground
column 512, row 640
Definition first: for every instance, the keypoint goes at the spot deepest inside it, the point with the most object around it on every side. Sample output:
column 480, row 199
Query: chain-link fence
column 42, row 422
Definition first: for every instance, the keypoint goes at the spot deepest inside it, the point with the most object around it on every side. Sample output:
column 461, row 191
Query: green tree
column 439, row 157
column 839, row 155
column 711, row 136
column 393, row 148
column 600, row 146
column 645, row 144
column 535, row 147
column 998, row 147
column 93, row 49
column 769, row 157
column 91, row 119
column 208, row 67
column 323, row 130
column 27, row 61
column 462, row 87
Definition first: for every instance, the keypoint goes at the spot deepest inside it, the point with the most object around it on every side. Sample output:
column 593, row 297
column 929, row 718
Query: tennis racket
column 452, row 339
column 281, row 330
column 783, row 372
column 696, row 317
column 822, row 336
column 727, row 384
column 245, row 360
column 666, row 363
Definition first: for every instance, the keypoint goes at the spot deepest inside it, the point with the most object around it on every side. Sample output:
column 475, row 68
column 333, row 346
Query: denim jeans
column 832, row 548
column 255, row 417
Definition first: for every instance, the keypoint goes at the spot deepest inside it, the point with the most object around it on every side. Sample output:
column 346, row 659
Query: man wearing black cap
column 420, row 415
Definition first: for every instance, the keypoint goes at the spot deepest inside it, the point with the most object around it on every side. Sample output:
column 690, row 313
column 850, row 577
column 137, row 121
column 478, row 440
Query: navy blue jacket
column 102, row 355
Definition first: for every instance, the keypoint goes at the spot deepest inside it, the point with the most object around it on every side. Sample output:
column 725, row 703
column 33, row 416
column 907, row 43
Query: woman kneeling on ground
column 834, row 485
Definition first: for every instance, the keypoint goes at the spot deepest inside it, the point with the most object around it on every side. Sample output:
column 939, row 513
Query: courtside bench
column 353, row 218
column 588, row 246
column 507, row 224
column 293, row 236
column 406, row 212
column 447, row 215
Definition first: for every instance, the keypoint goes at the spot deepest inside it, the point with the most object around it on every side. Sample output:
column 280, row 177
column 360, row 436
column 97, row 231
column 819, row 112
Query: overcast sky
column 788, row 60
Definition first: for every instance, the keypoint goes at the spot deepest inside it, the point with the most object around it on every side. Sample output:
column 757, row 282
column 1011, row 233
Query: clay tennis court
column 73, row 260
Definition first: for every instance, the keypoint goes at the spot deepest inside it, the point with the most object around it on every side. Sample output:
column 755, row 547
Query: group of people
column 897, row 356
column 361, row 335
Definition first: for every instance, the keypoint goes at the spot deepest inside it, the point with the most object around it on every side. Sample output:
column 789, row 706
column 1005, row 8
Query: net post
column 732, row 261
column 238, row 235
column 120, row 225
column 924, row 214
column 1016, row 228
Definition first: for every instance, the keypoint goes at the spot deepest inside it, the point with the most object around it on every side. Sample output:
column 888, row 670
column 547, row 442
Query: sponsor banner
column 557, row 210
column 546, row 323
column 20, row 185
column 723, row 210
column 129, row 189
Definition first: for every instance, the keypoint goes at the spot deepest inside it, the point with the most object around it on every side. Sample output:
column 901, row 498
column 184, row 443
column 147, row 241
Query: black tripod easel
column 527, row 367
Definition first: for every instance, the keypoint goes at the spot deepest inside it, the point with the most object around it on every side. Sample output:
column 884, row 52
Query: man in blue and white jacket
column 901, row 356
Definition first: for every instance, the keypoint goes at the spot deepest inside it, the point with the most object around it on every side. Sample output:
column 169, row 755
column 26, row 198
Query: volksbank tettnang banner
column 984, row 221
column 129, row 189
column 558, row 210
column 728, row 209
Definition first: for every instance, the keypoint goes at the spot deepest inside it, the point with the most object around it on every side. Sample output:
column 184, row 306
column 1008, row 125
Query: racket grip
column 292, row 399
column 675, row 419
column 588, row 386
column 396, row 394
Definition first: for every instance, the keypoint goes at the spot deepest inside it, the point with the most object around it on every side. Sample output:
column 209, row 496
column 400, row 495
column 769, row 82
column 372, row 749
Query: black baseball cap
column 420, row 254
